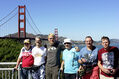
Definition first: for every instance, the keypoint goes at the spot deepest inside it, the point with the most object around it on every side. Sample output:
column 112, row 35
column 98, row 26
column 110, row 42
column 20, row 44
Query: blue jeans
column 26, row 73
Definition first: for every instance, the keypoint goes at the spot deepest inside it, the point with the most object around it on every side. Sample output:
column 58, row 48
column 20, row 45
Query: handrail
column 6, row 68
column 10, row 70
column 8, row 63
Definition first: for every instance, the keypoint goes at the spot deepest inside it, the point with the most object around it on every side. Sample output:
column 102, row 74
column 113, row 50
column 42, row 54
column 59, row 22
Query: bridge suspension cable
column 31, row 26
column 8, row 19
column 32, row 21
column 8, row 14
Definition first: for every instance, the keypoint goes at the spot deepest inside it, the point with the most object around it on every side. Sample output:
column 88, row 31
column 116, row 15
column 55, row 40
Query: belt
column 27, row 67
column 35, row 66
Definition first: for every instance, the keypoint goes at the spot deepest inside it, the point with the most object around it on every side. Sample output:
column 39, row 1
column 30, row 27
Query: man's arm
column 18, row 62
column 62, row 65
column 102, row 68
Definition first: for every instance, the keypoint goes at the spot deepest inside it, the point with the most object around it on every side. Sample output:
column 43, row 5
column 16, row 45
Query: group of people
column 41, row 62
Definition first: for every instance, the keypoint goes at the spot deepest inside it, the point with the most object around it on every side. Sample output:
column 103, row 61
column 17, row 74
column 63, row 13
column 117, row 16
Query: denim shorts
column 38, row 72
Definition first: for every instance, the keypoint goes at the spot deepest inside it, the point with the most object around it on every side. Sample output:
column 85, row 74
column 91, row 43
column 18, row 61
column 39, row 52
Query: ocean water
column 100, row 46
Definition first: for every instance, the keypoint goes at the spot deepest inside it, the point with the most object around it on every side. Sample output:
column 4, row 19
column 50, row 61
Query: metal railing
column 7, row 71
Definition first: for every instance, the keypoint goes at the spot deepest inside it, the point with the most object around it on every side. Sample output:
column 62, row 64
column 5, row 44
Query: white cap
column 67, row 41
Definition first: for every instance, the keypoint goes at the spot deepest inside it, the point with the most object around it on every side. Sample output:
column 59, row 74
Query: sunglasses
column 26, row 43
column 67, row 43
column 51, row 38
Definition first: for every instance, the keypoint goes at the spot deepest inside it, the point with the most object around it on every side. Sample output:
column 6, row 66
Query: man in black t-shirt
column 53, row 57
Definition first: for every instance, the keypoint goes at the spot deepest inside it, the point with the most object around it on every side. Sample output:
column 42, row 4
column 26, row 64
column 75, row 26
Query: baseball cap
column 27, row 41
column 67, row 41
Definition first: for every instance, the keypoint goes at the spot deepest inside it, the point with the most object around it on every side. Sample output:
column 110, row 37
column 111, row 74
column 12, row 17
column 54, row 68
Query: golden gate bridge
column 24, row 25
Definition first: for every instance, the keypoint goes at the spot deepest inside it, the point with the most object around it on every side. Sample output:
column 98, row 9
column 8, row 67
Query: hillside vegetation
column 9, row 50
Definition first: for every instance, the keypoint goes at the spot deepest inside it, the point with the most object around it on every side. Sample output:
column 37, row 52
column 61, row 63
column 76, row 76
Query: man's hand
column 15, row 68
column 113, row 71
column 106, row 71
column 83, row 60
column 61, row 68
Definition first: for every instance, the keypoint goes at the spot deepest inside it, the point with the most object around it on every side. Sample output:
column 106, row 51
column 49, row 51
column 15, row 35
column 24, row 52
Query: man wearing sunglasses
column 27, row 60
column 70, row 60
column 53, row 57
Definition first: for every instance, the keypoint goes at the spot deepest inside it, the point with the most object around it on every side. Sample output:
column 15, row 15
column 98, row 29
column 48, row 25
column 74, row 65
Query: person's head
column 105, row 42
column 51, row 38
column 77, row 48
column 89, row 41
column 27, row 43
column 38, row 41
column 67, row 43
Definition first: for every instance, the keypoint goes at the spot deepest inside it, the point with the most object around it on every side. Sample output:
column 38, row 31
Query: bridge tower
column 21, row 21
column 56, row 33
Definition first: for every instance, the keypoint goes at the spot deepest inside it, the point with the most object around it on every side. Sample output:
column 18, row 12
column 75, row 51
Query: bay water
column 100, row 46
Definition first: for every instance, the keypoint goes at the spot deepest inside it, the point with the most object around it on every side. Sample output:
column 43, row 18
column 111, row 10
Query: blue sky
column 75, row 19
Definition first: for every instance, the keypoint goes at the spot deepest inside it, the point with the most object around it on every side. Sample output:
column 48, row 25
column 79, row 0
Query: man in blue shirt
column 88, row 59
column 70, row 60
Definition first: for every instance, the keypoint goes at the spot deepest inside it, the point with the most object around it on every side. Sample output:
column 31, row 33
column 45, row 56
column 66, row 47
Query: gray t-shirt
column 53, row 54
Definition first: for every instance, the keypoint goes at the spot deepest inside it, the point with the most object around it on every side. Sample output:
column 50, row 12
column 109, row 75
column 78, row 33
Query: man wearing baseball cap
column 70, row 60
column 27, row 59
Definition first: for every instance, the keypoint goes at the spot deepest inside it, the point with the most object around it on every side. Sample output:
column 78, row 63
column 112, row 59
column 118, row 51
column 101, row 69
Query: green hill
column 9, row 50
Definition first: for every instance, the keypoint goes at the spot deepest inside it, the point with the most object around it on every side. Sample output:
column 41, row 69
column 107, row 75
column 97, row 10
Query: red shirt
column 27, row 58
column 109, row 59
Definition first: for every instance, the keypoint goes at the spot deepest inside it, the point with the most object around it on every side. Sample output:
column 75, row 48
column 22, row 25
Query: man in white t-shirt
column 39, row 54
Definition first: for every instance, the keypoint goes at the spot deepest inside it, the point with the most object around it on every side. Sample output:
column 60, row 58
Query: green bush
column 9, row 50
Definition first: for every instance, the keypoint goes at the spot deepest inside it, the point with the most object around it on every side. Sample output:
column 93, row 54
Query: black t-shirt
column 53, row 54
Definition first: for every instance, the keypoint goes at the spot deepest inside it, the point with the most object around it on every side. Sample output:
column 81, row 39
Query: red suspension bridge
column 25, row 24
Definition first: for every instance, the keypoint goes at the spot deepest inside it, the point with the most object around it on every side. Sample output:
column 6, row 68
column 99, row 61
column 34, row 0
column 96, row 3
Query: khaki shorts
column 103, row 77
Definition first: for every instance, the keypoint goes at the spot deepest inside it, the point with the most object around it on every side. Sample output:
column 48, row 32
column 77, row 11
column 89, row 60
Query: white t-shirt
column 39, row 55
column 25, row 52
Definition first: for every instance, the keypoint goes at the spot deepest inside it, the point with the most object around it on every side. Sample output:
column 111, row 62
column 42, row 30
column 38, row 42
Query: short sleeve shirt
column 39, row 55
column 108, row 58
column 26, row 56
column 70, row 58
column 90, row 56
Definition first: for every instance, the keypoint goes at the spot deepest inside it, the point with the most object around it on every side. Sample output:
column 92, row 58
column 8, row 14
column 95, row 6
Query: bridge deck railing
column 7, row 71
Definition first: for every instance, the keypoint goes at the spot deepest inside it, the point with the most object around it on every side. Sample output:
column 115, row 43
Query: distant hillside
column 30, row 35
column 60, row 38
column 16, row 35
